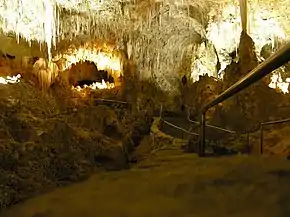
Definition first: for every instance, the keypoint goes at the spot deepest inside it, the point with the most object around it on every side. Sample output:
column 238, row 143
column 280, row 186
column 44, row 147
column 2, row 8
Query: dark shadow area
column 8, row 56
column 285, row 174
column 227, row 182
column 86, row 73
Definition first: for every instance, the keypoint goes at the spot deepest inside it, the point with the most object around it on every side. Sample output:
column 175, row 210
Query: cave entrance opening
column 87, row 74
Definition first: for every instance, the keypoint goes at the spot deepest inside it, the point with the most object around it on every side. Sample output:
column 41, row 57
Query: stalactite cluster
column 158, row 33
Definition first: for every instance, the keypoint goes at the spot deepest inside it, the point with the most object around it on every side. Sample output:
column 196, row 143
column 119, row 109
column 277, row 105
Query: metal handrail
column 278, row 59
column 173, row 125
column 98, row 99
column 113, row 101
column 219, row 128
column 269, row 123
column 194, row 122
column 209, row 125
column 276, row 122
column 179, row 128
column 110, row 100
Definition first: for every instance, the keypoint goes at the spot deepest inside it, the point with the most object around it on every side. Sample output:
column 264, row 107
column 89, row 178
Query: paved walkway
column 174, row 185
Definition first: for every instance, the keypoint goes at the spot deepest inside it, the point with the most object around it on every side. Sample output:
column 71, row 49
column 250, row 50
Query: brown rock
column 113, row 158
column 5, row 71
column 20, row 130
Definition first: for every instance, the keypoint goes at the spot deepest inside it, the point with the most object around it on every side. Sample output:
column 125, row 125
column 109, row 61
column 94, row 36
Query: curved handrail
column 209, row 125
column 179, row 128
column 278, row 59
column 173, row 125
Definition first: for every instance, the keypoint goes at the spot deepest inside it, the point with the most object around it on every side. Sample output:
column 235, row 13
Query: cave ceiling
column 56, row 21
column 166, row 31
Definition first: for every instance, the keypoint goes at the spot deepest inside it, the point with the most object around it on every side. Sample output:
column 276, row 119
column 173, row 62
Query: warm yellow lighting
column 103, row 60
column 45, row 71
column 39, row 20
column 263, row 27
column 103, row 56
column 205, row 63
column 10, row 80
column 34, row 20
column 277, row 83
column 225, row 33
column 96, row 85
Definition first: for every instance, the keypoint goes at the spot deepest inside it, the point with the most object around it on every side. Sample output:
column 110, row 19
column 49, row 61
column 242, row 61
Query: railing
column 112, row 101
column 208, row 125
column 219, row 128
column 278, row 59
column 189, row 132
column 179, row 128
column 197, row 123
column 94, row 99
column 174, row 126
column 267, row 124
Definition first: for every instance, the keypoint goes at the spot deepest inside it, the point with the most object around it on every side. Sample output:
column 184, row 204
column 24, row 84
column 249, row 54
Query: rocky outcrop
column 245, row 111
column 41, row 147
column 254, row 105
column 157, row 140
column 200, row 93
column 61, row 155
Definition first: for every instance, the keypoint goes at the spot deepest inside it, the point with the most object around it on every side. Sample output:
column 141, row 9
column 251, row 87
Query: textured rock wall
column 9, row 45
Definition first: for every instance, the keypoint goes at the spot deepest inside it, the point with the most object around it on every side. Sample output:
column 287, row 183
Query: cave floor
column 174, row 184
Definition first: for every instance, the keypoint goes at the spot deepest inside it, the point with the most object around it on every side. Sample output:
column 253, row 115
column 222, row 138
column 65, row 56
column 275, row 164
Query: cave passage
column 87, row 73
column 103, row 75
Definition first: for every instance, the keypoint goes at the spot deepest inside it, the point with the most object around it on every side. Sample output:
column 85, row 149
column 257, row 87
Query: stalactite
column 244, row 14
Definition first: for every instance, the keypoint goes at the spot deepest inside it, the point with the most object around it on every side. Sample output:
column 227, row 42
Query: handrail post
column 201, row 149
column 248, row 143
column 261, row 139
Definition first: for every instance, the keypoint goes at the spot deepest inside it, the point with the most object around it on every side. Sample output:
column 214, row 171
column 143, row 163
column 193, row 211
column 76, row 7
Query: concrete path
column 174, row 185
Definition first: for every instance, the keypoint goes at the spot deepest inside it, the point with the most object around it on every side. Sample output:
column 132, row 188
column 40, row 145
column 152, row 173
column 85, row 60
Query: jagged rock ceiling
column 160, row 34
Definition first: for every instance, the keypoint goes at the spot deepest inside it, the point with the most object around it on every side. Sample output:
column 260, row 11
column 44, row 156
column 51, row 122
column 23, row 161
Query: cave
column 131, row 108
column 86, row 74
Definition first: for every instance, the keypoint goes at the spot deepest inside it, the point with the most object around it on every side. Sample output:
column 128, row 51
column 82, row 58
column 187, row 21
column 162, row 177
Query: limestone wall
column 9, row 45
